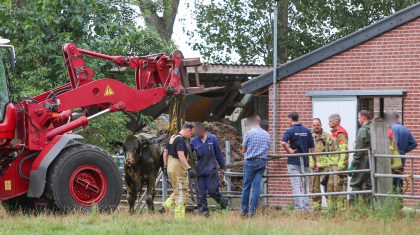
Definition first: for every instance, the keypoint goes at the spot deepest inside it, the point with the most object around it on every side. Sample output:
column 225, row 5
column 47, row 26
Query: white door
column 322, row 108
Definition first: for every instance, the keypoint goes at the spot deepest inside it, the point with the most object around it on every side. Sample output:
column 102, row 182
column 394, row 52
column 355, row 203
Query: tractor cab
column 7, row 110
column 7, row 61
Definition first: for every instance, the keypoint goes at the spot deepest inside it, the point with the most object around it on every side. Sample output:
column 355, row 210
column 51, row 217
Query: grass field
column 272, row 222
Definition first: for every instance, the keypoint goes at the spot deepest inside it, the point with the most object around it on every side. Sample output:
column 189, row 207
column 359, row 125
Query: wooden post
column 379, row 140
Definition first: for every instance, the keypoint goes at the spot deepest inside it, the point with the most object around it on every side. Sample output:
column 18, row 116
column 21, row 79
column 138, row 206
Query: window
column 389, row 104
column 4, row 94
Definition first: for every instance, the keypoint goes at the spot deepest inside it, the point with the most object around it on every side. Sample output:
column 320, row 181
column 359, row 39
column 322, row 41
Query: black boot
column 205, row 214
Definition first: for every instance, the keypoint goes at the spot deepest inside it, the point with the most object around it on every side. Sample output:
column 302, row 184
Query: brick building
column 375, row 68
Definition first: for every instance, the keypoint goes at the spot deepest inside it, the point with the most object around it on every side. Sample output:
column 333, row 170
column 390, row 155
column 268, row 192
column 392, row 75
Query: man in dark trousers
column 209, row 161
column 405, row 141
column 361, row 181
column 300, row 141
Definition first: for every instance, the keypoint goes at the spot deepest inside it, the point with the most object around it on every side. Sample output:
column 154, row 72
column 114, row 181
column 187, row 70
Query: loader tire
column 83, row 176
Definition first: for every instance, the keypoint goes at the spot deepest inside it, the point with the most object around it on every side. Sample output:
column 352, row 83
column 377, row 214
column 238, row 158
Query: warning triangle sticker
column 108, row 91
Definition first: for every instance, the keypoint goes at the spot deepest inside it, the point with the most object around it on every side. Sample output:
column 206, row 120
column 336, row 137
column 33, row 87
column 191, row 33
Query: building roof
column 220, row 74
column 248, row 70
column 338, row 46
column 231, row 69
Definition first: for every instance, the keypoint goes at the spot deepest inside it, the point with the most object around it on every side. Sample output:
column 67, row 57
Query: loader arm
column 150, row 71
column 157, row 77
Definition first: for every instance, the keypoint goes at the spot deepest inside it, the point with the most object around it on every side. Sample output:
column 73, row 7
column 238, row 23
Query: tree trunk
column 163, row 24
column 19, row 3
column 283, row 25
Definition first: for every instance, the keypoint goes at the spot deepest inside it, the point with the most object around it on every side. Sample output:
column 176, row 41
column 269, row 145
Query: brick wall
column 389, row 61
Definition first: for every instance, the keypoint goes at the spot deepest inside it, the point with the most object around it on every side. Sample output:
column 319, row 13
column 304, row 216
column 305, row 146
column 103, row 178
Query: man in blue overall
column 210, row 161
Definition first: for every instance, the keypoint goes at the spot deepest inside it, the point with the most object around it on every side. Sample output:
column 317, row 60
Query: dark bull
column 142, row 162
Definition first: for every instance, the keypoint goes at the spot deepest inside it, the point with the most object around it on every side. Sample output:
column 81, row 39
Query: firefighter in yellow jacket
column 338, row 162
column 323, row 143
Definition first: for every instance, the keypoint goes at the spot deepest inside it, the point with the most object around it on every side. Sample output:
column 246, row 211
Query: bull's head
column 134, row 148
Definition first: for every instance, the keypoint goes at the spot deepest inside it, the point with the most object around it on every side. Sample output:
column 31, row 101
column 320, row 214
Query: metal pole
column 164, row 188
column 319, row 194
column 397, row 156
column 412, row 176
column 238, row 174
column 265, row 188
column 275, row 79
column 265, row 182
column 272, row 156
column 302, row 176
column 372, row 173
column 98, row 114
column 393, row 176
column 228, row 170
column 397, row 196
column 317, row 173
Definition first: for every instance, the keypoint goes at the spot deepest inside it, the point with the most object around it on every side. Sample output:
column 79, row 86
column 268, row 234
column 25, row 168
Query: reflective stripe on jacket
column 340, row 138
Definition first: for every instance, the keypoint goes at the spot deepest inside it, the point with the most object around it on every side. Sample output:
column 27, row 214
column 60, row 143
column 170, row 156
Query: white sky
column 184, row 19
column 185, row 22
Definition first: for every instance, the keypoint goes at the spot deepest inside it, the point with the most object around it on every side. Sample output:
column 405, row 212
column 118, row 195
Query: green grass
column 271, row 222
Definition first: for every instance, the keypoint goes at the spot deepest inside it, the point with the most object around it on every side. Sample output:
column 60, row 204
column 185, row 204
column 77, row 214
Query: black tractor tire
column 83, row 176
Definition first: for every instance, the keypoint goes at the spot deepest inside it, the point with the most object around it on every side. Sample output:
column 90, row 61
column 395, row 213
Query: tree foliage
column 39, row 29
column 244, row 27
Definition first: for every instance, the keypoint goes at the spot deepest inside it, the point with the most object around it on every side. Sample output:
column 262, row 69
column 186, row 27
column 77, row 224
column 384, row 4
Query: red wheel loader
column 41, row 162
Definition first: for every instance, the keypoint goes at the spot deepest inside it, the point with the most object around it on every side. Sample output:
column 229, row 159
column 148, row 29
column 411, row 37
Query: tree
column 160, row 14
column 40, row 28
column 244, row 27
column 20, row 3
